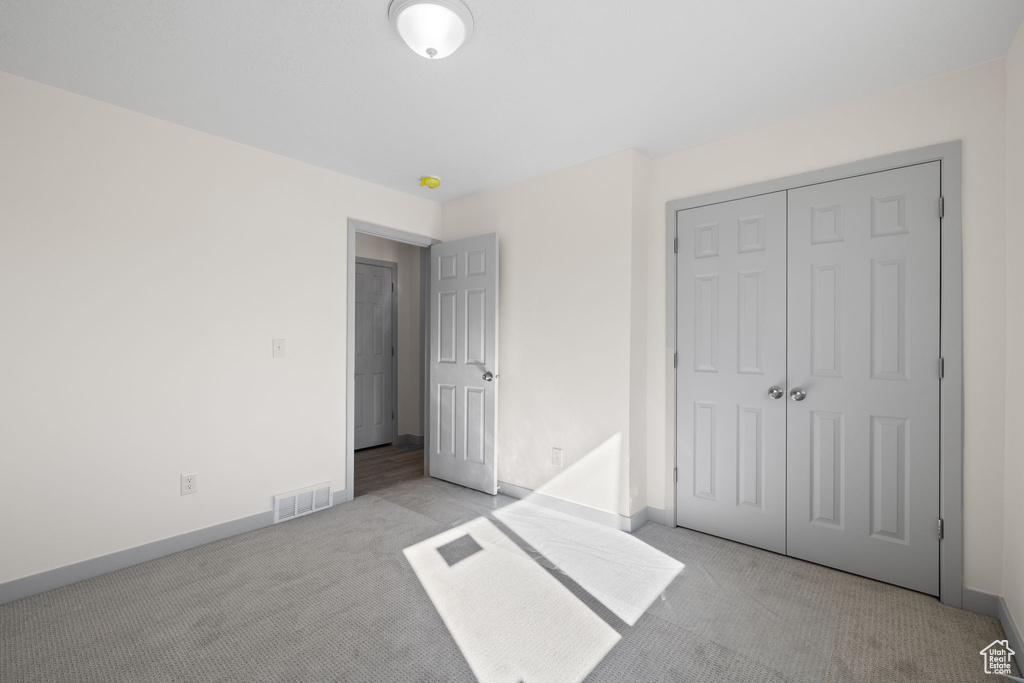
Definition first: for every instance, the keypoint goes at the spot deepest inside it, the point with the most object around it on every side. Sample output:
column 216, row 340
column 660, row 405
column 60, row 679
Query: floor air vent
column 302, row 502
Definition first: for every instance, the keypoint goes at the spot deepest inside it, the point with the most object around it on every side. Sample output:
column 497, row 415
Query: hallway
column 383, row 466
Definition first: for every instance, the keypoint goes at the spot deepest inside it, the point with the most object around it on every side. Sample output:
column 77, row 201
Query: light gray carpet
column 330, row 597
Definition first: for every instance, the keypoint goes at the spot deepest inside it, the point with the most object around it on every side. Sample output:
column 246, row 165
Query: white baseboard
column 979, row 602
column 1010, row 629
column 662, row 517
column 602, row 517
column 28, row 586
column 409, row 440
column 993, row 606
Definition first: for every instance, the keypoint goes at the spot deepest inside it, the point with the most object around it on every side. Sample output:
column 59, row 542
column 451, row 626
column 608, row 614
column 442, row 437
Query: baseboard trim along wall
column 585, row 512
column 28, row 586
column 993, row 606
column 1011, row 630
column 980, row 602
column 662, row 517
column 409, row 440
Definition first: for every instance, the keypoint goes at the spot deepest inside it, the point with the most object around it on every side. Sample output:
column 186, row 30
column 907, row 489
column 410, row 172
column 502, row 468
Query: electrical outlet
column 556, row 457
column 189, row 483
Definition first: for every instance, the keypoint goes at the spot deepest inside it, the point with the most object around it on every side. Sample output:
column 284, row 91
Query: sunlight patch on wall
column 599, row 479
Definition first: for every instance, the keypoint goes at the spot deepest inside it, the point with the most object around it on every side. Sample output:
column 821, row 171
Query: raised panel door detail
column 705, row 427
column 378, row 398
column 476, row 326
column 475, row 429
column 360, row 283
column 446, row 420
column 826, row 224
column 705, row 241
column 827, row 455
column 476, row 262
column 447, row 267
column 889, row 484
column 360, row 398
column 750, row 322
column 378, row 330
column 750, row 457
column 889, row 215
column 826, row 321
column 447, row 303
column 363, row 335
column 378, row 284
column 889, row 318
column 750, row 234
column 705, row 324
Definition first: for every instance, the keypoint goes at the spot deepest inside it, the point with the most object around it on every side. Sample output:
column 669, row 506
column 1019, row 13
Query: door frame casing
column 393, row 267
column 357, row 226
column 951, row 430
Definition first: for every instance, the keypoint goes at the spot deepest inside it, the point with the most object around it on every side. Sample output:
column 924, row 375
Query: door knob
column 776, row 392
column 488, row 376
column 798, row 394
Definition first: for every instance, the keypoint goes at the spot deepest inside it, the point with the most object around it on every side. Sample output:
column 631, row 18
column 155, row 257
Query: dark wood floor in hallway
column 383, row 466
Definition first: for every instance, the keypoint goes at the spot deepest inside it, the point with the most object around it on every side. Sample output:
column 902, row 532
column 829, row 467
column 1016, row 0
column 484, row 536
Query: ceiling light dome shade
column 432, row 28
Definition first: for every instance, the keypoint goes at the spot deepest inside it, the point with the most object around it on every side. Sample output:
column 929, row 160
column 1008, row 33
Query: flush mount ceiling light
column 432, row 28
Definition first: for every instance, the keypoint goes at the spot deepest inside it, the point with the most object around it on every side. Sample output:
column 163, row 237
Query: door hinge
column 942, row 207
column 940, row 528
column 675, row 359
column 942, row 368
column 675, row 475
column 675, row 245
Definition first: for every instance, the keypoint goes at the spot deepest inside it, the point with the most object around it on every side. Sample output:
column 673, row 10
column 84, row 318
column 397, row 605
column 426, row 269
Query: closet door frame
column 950, row 336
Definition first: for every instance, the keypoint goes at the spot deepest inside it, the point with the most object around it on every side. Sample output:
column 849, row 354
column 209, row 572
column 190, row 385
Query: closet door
column 731, row 275
column 863, row 443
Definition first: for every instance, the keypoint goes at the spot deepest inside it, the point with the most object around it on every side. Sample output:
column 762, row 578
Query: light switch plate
column 279, row 348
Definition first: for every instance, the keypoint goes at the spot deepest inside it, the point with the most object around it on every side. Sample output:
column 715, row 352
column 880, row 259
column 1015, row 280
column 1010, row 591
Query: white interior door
column 464, row 362
column 731, row 274
column 374, row 354
column 864, row 345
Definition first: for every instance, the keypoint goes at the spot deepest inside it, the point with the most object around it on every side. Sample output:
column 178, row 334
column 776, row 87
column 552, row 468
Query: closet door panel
column 732, row 350
column 863, row 343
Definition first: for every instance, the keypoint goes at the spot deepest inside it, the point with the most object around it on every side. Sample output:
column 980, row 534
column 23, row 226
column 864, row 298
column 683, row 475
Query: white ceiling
column 542, row 84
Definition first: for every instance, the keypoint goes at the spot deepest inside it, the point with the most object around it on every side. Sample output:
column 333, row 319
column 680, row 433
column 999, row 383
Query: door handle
column 798, row 394
column 776, row 392
column 488, row 377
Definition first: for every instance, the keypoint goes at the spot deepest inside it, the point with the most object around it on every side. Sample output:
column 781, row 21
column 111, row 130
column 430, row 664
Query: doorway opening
column 387, row 359
column 455, row 399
